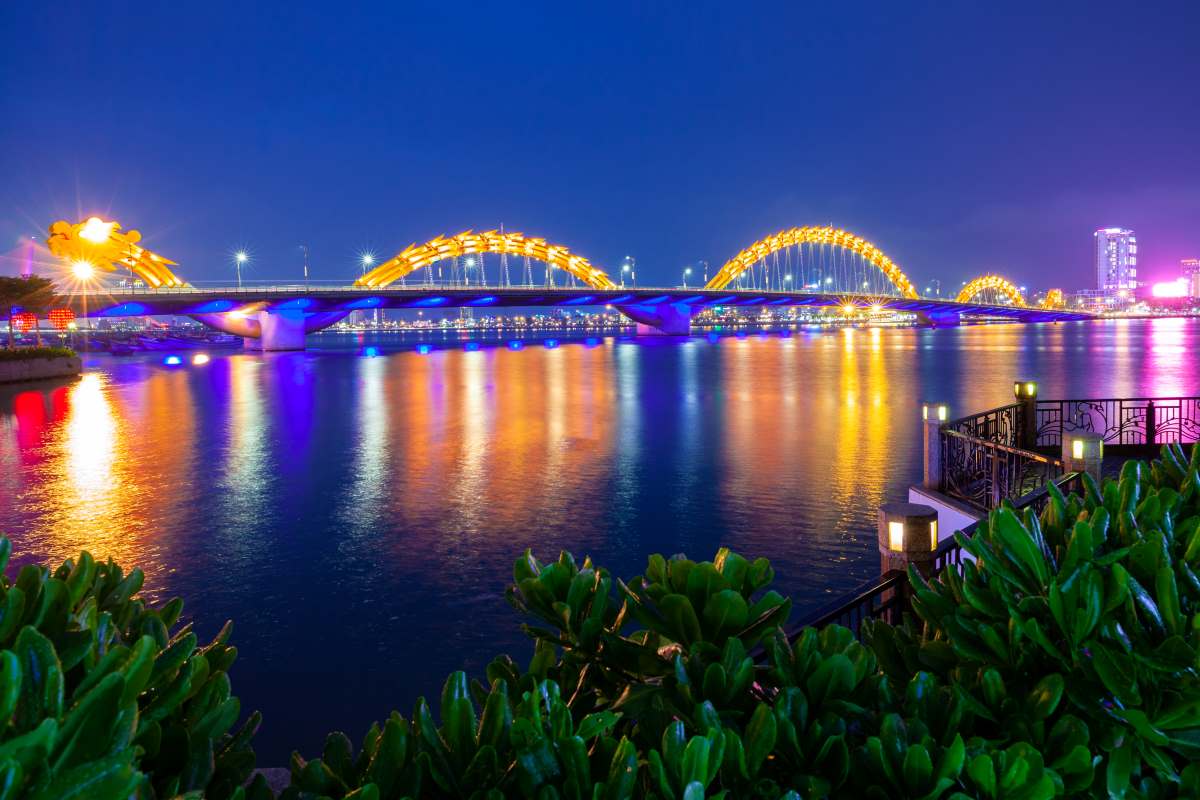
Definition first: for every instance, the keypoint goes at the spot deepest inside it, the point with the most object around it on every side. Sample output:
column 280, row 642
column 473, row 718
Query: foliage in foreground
column 31, row 353
column 1062, row 662
column 104, row 697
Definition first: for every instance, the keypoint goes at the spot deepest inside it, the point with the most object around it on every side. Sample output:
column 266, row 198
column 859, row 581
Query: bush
column 1061, row 662
column 31, row 353
column 106, row 697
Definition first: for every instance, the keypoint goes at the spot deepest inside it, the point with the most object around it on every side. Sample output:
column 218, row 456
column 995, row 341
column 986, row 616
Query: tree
column 33, row 293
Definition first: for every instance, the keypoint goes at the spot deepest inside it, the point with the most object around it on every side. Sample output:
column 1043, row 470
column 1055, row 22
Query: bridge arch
column 993, row 283
column 1054, row 299
column 416, row 256
column 102, row 246
column 827, row 235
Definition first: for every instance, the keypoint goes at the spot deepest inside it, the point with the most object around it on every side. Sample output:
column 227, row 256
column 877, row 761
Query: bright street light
column 83, row 270
column 240, row 258
column 687, row 271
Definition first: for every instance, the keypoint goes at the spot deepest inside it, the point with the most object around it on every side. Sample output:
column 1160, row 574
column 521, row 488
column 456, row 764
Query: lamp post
column 1026, row 393
column 631, row 263
column 84, row 272
column 240, row 258
column 686, row 271
column 907, row 534
column 304, row 247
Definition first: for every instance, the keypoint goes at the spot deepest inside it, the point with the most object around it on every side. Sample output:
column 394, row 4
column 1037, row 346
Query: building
column 1190, row 267
column 1116, row 261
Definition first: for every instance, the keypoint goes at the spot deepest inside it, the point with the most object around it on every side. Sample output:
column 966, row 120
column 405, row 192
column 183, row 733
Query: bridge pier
column 271, row 329
column 663, row 319
column 940, row 319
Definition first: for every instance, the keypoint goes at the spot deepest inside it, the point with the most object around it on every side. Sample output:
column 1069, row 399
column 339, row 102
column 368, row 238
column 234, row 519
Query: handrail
column 886, row 597
column 982, row 472
column 1124, row 421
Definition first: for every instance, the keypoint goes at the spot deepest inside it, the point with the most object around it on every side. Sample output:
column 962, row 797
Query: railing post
column 994, row 492
column 1026, row 393
column 1151, row 424
column 933, row 416
column 908, row 534
column 1083, row 452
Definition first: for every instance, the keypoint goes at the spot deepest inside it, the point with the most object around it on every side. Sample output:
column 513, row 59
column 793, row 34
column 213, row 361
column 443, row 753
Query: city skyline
column 675, row 137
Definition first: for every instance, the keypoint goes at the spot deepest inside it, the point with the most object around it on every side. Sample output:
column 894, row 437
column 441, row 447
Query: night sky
column 960, row 137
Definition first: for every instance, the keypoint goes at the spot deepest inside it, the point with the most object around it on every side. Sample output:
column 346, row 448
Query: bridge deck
column 325, row 298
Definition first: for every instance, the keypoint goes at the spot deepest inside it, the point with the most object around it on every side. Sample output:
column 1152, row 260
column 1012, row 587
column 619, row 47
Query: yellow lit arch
column 101, row 245
column 985, row 282
column 1054, row 299
column 812, row 235
column 416, row 256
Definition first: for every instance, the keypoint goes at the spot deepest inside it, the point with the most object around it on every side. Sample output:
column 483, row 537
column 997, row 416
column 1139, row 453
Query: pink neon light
column 1175, row 288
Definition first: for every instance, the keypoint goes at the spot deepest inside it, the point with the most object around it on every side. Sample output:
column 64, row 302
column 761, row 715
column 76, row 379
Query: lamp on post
column 1083, row 451
column 933, row 416
column 240, row 258
column 908, row 534
column 686, row 271
column 1026, row 393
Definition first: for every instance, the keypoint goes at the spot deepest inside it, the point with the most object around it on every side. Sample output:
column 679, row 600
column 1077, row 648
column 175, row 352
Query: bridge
column 807, row 266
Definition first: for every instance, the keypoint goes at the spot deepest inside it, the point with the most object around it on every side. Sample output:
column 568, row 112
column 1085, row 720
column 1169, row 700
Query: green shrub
column 31, row 353
column 1062, row 662
column 106, row 697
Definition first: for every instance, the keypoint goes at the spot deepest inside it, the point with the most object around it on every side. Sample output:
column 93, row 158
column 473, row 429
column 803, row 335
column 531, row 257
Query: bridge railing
column 1137, row 421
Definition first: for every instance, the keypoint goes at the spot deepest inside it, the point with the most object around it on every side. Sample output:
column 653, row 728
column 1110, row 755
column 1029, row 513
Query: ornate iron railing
column 1125, row 421
column 1001, row 425
column 886, row 597
column 982, row 473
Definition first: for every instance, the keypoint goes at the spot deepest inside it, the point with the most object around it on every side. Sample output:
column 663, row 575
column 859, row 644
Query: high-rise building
column 1116, row 261
column 1190, row 267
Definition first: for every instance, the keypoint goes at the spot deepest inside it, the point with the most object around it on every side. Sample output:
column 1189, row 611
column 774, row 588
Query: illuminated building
column 1190, row 267
column 1116, row 261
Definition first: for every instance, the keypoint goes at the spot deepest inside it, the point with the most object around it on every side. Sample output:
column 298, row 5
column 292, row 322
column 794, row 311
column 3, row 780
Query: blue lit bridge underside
column 279, row 317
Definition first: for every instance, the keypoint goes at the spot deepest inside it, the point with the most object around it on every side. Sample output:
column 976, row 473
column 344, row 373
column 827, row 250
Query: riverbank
column 38, row 363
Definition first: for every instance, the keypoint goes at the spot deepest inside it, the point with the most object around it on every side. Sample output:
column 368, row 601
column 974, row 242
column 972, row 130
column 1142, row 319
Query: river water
column 358, row 516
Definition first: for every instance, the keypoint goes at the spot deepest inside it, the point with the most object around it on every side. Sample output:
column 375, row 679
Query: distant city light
column 96, row 230
column 200, row 358
column 83, row 270
column 241, row 256
column 848, row 308
column 1176, row 288
column 370, row 352
column 172, row 361
column 550, row 343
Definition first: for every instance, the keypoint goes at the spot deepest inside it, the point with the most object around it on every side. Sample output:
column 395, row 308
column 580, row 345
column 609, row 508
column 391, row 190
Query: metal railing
column 983, row 472
column 1125, row 421
column 1000, row 425
column 886, row 597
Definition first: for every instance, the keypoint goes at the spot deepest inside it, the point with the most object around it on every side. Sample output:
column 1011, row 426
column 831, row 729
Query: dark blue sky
column 959, row 137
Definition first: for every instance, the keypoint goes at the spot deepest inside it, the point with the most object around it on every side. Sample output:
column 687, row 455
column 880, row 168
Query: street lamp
column 304, row 247
column 240, row 258
column 367, row 260
column 631, row 267
column 686, row 271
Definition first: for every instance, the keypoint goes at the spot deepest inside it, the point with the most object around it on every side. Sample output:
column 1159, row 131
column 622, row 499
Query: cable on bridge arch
column 417, row 256
column 820, row 235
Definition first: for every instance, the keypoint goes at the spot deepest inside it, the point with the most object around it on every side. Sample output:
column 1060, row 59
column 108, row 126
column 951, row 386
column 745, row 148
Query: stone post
column 933, row 415
column 908, row 534
column 1026, row 393
column 1083, row 451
